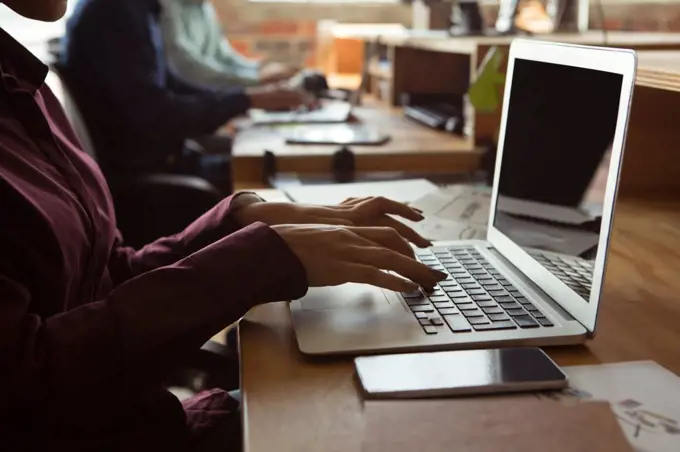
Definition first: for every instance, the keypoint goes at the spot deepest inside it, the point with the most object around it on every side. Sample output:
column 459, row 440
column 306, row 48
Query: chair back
column 75, row 116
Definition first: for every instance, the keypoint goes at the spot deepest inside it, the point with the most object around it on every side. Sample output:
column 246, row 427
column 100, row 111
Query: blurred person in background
column 139, row 112
column 199, row 51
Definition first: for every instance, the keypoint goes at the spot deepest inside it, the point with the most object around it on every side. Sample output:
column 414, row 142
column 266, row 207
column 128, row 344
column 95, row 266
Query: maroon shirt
column 89, row 327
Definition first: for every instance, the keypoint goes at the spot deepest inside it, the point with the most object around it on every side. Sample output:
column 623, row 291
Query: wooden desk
column 412, row 148
column 293, row 404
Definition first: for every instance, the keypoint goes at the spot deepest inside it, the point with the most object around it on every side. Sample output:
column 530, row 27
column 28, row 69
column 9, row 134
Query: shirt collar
column 19, row 68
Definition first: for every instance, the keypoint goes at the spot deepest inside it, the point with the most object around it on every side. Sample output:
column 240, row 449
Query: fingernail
column 440, row 274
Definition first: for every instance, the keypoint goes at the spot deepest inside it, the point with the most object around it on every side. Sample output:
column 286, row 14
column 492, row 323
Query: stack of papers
column 455, row 212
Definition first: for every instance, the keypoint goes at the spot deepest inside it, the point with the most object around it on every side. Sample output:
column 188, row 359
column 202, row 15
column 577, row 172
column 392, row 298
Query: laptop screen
column 560, row 125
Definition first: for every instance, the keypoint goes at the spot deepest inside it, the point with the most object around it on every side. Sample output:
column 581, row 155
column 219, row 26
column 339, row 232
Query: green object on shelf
column 484, row 92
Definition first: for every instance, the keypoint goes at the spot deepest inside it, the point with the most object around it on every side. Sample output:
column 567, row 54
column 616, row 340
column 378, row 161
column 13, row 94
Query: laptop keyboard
column 575, row 273
column 475, row 296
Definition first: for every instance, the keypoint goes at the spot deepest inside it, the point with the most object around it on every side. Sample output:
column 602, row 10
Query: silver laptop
column 537, row 279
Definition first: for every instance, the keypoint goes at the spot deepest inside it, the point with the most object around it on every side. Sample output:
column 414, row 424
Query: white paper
column 405, row 191
column 645, row 397
column 457, row 203
column 434, row 228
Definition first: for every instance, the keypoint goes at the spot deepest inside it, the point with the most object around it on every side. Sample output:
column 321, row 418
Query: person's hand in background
column 334, row 255
column 279, row 97
column 272, row 72
column 371, row 212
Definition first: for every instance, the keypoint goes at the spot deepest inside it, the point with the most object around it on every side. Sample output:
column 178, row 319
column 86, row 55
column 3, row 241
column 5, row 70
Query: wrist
column 240, row 207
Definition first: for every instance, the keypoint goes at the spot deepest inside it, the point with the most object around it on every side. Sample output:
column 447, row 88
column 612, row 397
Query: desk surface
column 470, row 44
column 659, row 70
column 412, row 147
column 291, row 404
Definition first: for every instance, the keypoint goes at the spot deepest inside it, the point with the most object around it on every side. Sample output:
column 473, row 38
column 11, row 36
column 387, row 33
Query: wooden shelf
column 659, row 70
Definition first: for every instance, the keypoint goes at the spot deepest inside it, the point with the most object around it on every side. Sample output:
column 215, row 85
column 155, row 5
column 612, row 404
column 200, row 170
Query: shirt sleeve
column 218, row 222
column 134, row 74
column 190, row 61
column 120, row 344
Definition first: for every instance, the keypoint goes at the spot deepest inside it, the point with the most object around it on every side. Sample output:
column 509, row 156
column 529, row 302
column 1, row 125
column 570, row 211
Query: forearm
column 215, row 224
column 143, row 328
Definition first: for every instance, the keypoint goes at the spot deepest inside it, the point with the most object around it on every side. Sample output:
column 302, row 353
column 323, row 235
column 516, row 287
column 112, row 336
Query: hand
column 275, row 72
column 334, row 255
column 371, row 212
column 279, row 97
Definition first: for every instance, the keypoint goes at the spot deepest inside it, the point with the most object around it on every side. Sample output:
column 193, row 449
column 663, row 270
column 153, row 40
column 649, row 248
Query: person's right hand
column 279, row 97
column 334, row 255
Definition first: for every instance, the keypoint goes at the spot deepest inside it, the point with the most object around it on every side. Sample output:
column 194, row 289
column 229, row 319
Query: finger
column 388, row 206
column 348, row 201
column 365, row 274
column 385, row 259
column 407, row 232
column 386, row 237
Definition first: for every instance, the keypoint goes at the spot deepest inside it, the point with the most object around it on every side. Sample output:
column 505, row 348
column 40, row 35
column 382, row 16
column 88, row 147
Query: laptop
column 330, row 111
column 536, row 280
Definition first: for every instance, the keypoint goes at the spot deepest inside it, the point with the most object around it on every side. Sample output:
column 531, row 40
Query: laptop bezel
column 620, row 61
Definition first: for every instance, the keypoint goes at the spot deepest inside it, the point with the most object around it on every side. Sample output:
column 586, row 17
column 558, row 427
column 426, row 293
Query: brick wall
column 287, row 31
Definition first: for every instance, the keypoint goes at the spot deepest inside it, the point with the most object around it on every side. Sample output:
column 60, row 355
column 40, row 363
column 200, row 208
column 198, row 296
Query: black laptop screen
column 560, row 126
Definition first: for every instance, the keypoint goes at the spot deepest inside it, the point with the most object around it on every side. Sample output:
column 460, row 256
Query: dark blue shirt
column 138, row 112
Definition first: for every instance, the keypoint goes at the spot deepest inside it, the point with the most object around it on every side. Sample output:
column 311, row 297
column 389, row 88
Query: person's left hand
column 371, row 211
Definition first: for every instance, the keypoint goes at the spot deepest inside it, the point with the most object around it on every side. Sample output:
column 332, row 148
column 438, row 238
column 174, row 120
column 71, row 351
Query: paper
column 490, row 425
column 327, row 194
column 455, row 212
column 645, row 397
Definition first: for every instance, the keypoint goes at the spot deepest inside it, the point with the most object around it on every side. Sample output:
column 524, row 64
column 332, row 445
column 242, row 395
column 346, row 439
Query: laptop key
column 504, row 299
column 424, row 321
column 444, row 311
column 509, row 305
column 545, row 322
column 515, row 312
column 525, row 321
column 422, row 308
column 486, row 303
column 421, row 315
column 448, row 283
column 493, row 287
column 444, row 304
column 438, row 298
column 496, row 293
column 437, row 293
column 417, row 301
column 505, row 325
column 498, row 317
column 478, row 321
column 481, row 297
column 414, row 294
column 457, row 323
column 492, row 310
column 436, row 321
column 429, row 329
column 530, row 307
column 476, row 292
column 467, row 307
column 475, row 313
column 470, row 286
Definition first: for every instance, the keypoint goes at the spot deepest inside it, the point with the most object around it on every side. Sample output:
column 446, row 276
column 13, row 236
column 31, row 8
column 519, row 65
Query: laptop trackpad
column 360, row 296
